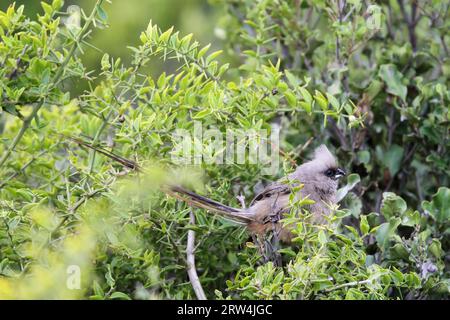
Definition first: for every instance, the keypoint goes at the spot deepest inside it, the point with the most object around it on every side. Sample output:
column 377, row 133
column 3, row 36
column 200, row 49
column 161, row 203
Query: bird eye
column 329, row 173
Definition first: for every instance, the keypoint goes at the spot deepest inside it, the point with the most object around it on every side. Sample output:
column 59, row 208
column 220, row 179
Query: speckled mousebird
column 319, row 178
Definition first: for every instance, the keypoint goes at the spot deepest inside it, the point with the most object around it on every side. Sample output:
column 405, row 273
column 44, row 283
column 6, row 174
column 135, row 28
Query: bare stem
column 411, row 21
column 190, row 257
column 348, row 284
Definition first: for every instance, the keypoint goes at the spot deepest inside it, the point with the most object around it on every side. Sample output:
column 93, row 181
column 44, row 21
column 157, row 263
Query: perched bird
column 318, row 176
column 318, row 179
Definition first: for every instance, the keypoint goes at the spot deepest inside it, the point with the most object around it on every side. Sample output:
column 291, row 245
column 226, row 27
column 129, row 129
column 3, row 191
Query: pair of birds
column 319, row 178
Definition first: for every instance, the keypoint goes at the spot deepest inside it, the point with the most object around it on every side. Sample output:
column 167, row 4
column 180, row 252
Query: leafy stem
column 56, row 78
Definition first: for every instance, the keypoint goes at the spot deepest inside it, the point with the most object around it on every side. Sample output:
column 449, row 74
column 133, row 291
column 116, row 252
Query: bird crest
column 324, row 156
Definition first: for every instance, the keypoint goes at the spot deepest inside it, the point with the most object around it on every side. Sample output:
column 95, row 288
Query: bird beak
column 339, row 173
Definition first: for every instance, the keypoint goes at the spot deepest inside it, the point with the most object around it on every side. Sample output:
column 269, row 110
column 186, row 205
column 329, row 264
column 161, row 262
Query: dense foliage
column 369, row 80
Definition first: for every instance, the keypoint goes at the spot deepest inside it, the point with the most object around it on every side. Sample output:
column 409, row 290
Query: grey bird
column 318, row 179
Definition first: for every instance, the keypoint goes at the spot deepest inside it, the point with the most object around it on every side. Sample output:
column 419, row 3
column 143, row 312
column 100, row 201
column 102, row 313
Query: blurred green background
column 128, row 18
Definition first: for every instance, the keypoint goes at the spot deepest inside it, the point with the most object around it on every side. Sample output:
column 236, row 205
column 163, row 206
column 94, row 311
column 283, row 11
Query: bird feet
column 241, row 200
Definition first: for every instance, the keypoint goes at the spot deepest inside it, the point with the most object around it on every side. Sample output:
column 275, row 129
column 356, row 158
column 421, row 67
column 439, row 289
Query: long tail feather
column 198, row 201
column 191, row 198
column 125, row 162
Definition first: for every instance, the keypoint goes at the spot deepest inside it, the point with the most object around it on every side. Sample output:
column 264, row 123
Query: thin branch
column 96, row 138
column 390, row 22
column 181, row 259
column 190, row 257
column 123, row 161
column 26, row 124
column 349, row 284
column 444, row 45
column 72, row 210
column 286, row 156
column 419, row 188
column 340, row 8
column 340, row 135
column 92, row 151
column 411, row 21
column 21, row 170
column 392, row 125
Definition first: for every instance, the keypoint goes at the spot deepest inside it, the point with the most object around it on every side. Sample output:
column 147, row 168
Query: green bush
column 371, row 81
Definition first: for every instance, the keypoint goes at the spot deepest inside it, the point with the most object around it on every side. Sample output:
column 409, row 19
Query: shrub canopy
column 369, row 81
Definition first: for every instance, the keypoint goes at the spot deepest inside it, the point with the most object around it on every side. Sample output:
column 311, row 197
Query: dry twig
column 190, row 257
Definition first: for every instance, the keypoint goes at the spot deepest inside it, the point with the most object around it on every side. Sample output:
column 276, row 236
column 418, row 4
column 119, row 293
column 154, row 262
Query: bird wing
column 270, row 190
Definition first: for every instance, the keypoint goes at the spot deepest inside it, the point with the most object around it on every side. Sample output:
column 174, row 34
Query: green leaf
column 392, row 205
column 398, row 251
column 342, row 213
column 109, row 278
column 11, row 109
column 202, row 52
column 57, row 4
column 290, row 98
column 106, row 65
column 439, row 207
column 321, row 284
column 364, row 156
column 213, row 55
column 224, row 68
column 143, row 37
column 321, row 100
column 354, row 204
column 47, row 8
column 102, row 14
column 287, row 251
column 202, row 114
column 394, row 80
column 413, row 280
column 386, row 231
column 354, row 294
column 352, row 180
column 411, row 218
column 165, row 36
column 306, row 106
column 120, row 296
column 293, row 80
column 322, row 237
column 161, row 80
column 218, row 294
column 98, row 291
column 374, row 89
column 333, row 101
column 393, row 159
column 435, row 248
column 306, row 95
column 364, row 225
